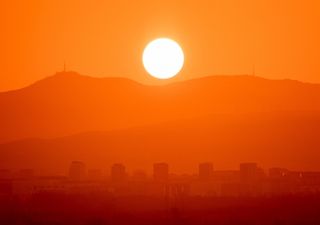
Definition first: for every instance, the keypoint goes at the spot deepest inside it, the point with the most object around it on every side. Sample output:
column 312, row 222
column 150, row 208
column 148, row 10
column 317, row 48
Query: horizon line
column 161, row 82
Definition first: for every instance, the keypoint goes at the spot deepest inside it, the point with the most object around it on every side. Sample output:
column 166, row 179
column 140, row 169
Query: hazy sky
column 106, row 38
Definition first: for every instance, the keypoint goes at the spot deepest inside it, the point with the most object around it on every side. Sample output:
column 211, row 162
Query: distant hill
column 69, row 103
column 275, row 139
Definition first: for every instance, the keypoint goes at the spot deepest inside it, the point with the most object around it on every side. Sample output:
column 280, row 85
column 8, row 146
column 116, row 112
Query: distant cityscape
column 249, row 180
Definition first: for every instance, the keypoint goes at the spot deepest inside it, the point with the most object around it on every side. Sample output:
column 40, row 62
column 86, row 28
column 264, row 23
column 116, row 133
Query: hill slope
column 69, row 103
column 271, row 139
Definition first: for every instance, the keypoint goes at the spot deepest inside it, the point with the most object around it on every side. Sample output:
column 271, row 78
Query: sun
column 163, row 58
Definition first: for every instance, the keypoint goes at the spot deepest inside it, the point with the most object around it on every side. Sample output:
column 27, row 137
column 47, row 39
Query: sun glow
column 163, row 58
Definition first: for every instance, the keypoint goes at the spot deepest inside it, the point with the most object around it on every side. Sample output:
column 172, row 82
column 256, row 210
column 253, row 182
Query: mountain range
column 226, row 119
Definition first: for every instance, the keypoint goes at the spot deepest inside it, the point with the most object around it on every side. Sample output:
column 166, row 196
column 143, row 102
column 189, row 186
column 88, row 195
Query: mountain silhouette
column 279, row 139
column 69, row 103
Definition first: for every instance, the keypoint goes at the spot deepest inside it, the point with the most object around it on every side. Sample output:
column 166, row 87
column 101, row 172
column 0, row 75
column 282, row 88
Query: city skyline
column 160, row 112
column 248, row 180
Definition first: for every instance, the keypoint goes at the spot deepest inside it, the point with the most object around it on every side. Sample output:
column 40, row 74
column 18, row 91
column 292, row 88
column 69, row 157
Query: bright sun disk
column 163, row 58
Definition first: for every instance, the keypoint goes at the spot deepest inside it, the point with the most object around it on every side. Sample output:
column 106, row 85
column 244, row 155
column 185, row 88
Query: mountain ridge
column 70, row 103
column 72, row 74
column 270, row 139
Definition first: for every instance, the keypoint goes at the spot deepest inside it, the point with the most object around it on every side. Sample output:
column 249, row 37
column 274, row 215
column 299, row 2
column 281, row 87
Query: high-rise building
column 248, row 172
column 161, row 171
column 205, row 170
column 118, row 172
column 77, row 170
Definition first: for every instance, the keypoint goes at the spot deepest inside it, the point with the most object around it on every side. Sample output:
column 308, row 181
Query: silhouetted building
column 26, row 173
column 177, row 190
column 248, row 172
column 278, row 172
column 251, row 179
column 77, row 170
column 205, row 170
column 139, row 175
column 161, row 171
column 281, row 181
column 47, row 184
column 118, row 173
column 94, row 174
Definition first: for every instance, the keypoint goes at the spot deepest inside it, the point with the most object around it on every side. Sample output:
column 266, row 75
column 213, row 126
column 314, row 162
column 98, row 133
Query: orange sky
column 106, row 38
